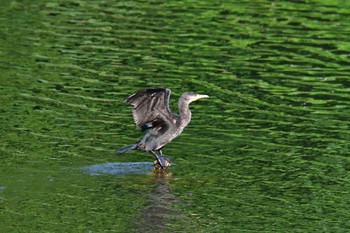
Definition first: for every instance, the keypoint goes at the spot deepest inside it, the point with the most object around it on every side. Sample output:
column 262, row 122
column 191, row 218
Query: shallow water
column 120, row 169
column 267, row 152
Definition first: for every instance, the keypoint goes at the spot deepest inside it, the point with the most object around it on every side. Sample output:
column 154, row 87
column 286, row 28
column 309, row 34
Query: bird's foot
column 161, row 164
column 164, row 162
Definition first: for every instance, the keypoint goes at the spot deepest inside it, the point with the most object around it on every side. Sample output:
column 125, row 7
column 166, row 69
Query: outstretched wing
column 151, row 107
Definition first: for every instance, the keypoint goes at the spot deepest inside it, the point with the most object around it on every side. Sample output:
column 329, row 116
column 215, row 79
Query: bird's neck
column 184, row 112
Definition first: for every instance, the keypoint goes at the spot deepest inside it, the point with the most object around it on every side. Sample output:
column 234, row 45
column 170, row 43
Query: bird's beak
column 200, row 96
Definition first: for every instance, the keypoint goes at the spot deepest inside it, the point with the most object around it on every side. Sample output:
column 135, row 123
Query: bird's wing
column 151, row 107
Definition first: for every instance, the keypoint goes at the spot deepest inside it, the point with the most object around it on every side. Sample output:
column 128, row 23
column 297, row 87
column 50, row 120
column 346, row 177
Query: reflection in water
column 160, row 208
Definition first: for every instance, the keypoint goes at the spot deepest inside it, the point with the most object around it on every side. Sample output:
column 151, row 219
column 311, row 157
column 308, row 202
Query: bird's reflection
column 160, row 207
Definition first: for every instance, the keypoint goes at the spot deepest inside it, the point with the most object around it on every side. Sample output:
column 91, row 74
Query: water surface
column 267, row 152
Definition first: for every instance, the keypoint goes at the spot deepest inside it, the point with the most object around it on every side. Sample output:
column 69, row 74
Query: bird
column 151, row 113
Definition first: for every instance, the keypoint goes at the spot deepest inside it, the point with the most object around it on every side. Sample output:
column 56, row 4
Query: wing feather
column 150, row 107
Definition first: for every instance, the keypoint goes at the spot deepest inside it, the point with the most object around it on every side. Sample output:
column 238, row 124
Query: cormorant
column 151, row 112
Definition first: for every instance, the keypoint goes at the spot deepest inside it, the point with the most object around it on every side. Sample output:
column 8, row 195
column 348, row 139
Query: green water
column 267, row 152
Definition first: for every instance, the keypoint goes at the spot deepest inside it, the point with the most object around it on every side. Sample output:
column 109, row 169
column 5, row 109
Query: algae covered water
column 267, row 152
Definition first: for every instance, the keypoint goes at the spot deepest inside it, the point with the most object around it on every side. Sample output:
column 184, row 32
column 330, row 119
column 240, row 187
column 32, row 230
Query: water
column 118, row 169
column 267, row 152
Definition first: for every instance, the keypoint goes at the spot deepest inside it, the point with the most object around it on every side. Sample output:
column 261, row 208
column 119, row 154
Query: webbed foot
column 162, row 161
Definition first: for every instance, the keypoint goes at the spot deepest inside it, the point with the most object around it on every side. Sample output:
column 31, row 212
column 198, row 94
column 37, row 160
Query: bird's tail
column 126, row 148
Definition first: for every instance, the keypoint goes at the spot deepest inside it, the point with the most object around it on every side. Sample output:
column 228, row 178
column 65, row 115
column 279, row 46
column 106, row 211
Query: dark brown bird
column 151, row 112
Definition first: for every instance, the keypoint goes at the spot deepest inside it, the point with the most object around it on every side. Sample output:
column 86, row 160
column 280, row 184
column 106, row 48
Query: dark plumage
column 151, row 112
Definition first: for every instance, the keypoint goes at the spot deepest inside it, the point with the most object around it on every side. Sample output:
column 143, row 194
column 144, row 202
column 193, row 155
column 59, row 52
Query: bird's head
column 191, row 96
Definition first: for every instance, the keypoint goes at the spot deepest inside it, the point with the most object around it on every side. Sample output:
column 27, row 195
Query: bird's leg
column 167, row 161
column 160, row 159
